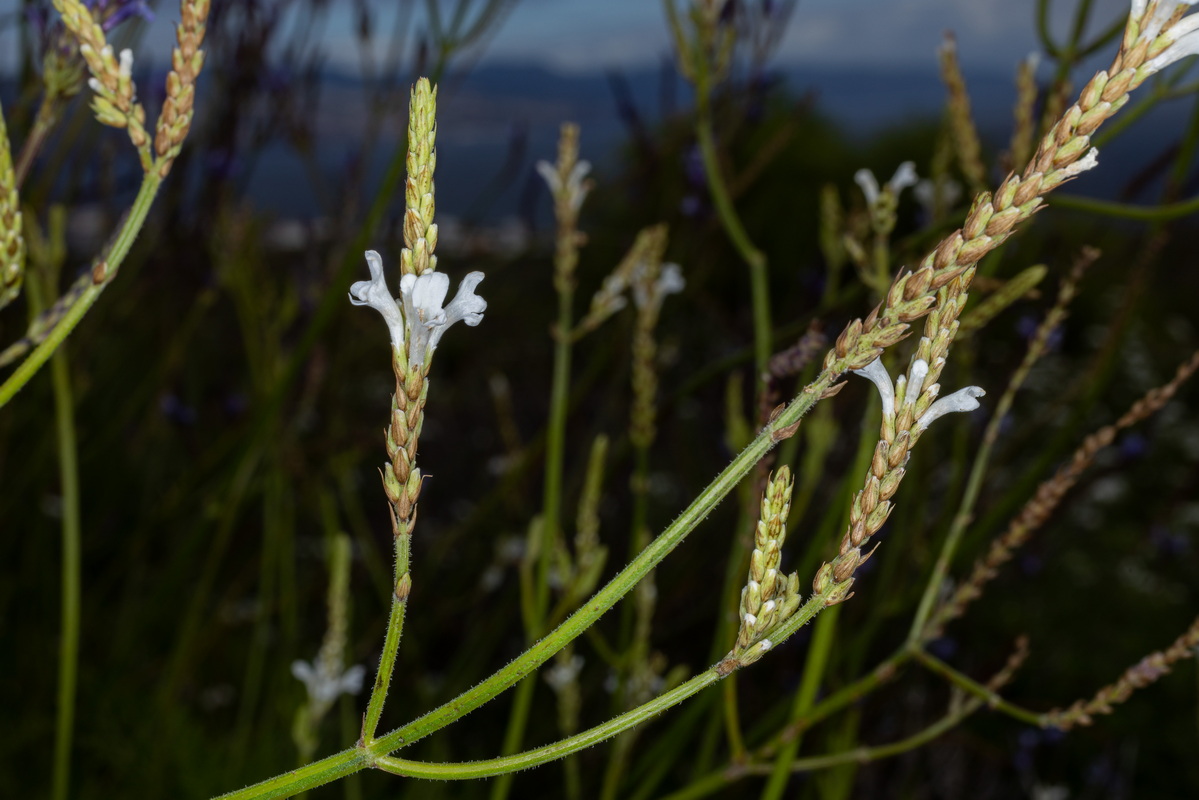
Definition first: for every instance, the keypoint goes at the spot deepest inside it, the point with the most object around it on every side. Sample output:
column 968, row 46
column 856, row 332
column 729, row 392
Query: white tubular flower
column 427, row 320
column 915, row 381
column 374, row 293
column 904, row 177
column 961, row 400
column 669, row 281
column 1184, row 37
column 575, row 188
column 126, row 65
column 324, row 685
column 869, row 184
column 562, row 675
column 876, row 373
column 418, row 319
column 1089, row 161
column 1152, row 25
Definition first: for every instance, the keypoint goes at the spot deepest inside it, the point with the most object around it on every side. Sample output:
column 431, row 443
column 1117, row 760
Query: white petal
column 550, row 174
column 961, row 400
column 865, row 179
column 351, row 680
column 904, row 177
column 670, row 280
column 466, row 305
column 428, row 293
column 303, row 671
column 915, row 384
column 1188, row 45
column 1089, row 161
column 374, row 293
column 876, row 373
column 575, row 179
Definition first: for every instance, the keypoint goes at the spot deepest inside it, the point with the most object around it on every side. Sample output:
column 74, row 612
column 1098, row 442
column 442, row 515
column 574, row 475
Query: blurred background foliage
column 230, row 405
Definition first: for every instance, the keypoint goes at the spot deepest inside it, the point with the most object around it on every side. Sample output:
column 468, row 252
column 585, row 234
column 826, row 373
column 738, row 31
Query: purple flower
column 111, row 13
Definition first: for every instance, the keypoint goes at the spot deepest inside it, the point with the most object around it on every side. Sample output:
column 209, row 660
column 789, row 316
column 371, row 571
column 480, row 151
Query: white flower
column 1089, row 161
column 427, row 320
column 323, row 682
column 126, row 66
column 419, row 318
column 1183, row 36
column 876, row 373
column 904, row 177
column 926, row 191
column 669, row 281
column 1162, row 12
column 961, row 400
column 575, row 188
column 374, row 293
column 563, row 674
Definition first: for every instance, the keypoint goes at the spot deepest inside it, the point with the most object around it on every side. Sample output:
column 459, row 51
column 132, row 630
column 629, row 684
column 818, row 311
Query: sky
column 596, row 35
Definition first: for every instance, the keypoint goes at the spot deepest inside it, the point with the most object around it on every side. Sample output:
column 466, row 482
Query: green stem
column 573, row 744
column 754, row 258
column 391, row 644
column 968, row 684
column 551, row 513
column 813, row 676
column 43, row 123
column 352, row 760
column 120, row 248
column 1159, row 213
column 859, row 755
column 555, row 448
column 68, row 469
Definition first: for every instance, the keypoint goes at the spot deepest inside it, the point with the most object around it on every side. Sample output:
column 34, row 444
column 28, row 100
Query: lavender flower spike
column 961, row 400
column 575, row 188
column 374, row 293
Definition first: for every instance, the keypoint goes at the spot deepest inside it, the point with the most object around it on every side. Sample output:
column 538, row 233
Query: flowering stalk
column 650, row 282
column 883, row 205
column 50, row 330
column 568, row 185
column 1061, row 155
column 187, row 59
column 1146, row 671
column 115, row 100
column 704, row 59
column 325, row 678
column 401, row 478
column 12, row 239
column 416, row 323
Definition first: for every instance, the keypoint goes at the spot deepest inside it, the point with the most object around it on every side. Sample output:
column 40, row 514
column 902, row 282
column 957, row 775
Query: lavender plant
column 816, row 499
